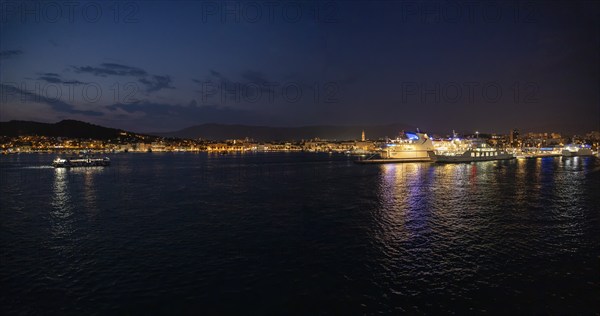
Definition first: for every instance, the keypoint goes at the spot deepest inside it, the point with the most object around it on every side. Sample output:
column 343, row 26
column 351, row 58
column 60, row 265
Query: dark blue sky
column 159, row 66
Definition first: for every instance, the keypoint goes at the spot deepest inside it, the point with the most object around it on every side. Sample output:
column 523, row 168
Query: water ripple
column 308, row 233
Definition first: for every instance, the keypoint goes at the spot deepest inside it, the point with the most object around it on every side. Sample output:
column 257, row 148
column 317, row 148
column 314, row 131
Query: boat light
column 412, row 136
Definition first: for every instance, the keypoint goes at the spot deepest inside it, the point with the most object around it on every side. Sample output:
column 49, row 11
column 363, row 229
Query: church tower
column 362, row 137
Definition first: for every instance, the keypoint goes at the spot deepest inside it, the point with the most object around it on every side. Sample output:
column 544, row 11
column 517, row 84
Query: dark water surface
column 299, row 234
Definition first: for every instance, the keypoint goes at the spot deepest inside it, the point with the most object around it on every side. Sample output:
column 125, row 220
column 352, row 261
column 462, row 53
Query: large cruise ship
column 459, row 150
column 413, row 147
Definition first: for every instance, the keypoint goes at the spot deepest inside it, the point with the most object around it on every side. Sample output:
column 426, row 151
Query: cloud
column 215, row 73
column 250, row 82
column 214, row 77
column 156, row 83
column 254, row 76
column 152, row 82
column 191, row 113
column 112, row 69
column 216, row 80
column 51, row 77
column 10, row 53
column 56, row 104
column 256, row 79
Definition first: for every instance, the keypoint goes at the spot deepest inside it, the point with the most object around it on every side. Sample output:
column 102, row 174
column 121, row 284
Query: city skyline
column 240, row 131
column 149, row 67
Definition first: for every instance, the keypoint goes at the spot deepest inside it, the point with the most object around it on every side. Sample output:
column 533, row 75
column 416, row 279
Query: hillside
column 65, row 128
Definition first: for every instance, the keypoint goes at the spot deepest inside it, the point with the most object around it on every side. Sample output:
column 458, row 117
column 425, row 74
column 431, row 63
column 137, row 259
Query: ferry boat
column 471, row 151
column 577, row 150
column 414, row 147
column 80, row 161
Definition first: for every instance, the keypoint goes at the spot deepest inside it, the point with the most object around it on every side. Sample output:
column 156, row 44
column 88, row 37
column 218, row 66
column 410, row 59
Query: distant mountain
column 65, row 128
column 265, row 133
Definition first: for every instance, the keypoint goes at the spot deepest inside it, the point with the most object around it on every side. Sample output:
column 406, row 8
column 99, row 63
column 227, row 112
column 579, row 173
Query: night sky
column 162, row 66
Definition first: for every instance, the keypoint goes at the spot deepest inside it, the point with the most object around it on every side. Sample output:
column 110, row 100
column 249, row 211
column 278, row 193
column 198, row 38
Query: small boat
column 80, row 161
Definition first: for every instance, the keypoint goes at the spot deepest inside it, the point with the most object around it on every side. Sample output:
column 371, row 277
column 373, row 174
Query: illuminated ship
column 414, row 147
column 468, row 151
column 577, row 150
column 80, row 161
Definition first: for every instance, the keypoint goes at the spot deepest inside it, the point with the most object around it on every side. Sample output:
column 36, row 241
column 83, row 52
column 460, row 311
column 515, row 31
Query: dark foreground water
column 299, row 234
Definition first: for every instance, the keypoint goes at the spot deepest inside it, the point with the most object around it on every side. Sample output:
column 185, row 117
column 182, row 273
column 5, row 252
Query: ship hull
column 580, row 152
column 474, row 156
column 394, row 160
column 91, row 162
column 459, row 159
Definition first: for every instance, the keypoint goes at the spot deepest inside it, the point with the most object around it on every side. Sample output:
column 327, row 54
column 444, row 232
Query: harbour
column 419, row 147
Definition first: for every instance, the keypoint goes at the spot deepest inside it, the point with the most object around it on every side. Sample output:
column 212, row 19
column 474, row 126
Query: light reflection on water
column 434, row 219
column 89, row 188
column 66, row 181
column 62, row 208
column 399, row 194
column 458, row 196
